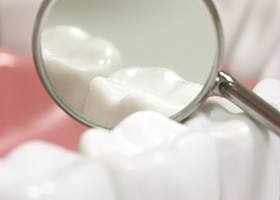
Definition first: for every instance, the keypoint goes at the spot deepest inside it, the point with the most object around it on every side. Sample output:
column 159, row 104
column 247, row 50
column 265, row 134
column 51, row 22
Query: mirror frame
column 180, row 116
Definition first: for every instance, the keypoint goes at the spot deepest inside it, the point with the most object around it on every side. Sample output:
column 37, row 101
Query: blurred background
column 252, row 35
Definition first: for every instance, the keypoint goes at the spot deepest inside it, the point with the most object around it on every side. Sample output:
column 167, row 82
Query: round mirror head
column 102, row 60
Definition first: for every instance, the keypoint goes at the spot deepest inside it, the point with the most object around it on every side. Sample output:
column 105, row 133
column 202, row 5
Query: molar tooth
column 99, row 143
column 135, row 89
column 87, row 180
column 247, row 159
column 62, row 41
column 178, row 171
column 134, row 135
column 42, row 171
column 73, row 58
column 31, row 163
column 243, row 145
column 171, row 161
column 215, row 111
column 140, row 130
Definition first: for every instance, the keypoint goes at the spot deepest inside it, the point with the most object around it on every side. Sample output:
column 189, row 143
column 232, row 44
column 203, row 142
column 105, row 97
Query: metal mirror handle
column 251, row 103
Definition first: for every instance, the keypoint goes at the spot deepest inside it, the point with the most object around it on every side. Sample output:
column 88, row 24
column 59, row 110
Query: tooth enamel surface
column 42, row 171
column 186, row 170
column 30, row 164
column 167, row 160
column 247, row 154
column 132, row 136
column 134, row 89
column 219, row 153
column 63, row 40
column 73, row 57
column 87, row 73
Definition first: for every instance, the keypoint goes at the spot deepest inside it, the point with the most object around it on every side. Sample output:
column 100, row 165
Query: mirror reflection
column 111, row 58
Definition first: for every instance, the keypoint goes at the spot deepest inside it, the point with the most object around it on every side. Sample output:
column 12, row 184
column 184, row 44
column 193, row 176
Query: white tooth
column 247, row 155
column 73, row 57
column 186, row 170
column 30, row 163
column 132, row 136
column 249, row 161
column 170, row 161
column 86, row 180
column 227, row 157
column 23, row 162
column 61, row 41
column 99, row 143
column 134, row 89
column 42, row 171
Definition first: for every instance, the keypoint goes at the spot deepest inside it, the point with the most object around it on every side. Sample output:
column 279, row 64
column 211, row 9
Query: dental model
column 72, row 58
column 218, row 154
column 89, row 75
column 134, row 89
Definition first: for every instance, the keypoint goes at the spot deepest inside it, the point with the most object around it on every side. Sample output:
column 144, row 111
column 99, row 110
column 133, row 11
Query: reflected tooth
column 61, row 41
column 73, row 58
column 135, row 89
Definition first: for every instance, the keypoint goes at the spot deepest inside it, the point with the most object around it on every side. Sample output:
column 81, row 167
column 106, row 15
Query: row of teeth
column 245, row 157
column 88, row 74
column 218, row 154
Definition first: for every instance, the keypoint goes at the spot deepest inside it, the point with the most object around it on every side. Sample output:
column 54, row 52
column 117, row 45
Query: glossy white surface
column 88, row 73
column 73, row 57
column 130, row 90
column 173, row 34
column 218, row 154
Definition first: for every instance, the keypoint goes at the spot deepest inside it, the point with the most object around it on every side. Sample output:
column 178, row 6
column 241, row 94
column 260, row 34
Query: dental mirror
column 101, row 60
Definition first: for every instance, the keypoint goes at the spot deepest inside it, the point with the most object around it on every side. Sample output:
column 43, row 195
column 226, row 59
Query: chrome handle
column 251, row 103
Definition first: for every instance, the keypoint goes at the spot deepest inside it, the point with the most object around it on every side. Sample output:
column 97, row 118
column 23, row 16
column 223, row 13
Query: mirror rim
column 180, row 116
